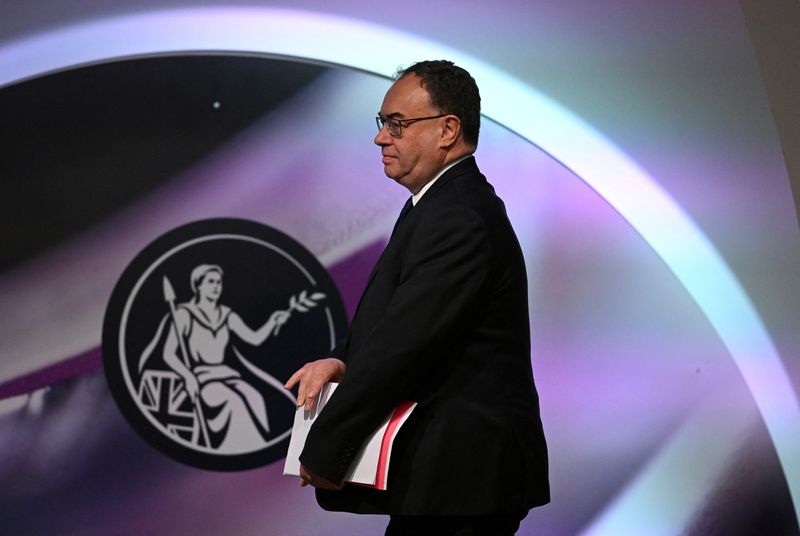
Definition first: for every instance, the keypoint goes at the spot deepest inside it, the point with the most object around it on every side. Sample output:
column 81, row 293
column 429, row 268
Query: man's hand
column 312, row 377
column 307, row 477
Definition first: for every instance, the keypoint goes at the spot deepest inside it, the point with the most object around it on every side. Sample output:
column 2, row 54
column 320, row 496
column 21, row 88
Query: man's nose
column 383, row 137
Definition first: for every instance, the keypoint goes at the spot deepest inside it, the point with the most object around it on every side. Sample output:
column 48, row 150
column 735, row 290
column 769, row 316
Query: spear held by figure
column 169, row 297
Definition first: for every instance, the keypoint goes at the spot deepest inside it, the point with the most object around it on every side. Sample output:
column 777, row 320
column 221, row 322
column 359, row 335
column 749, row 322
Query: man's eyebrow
column 393, row 115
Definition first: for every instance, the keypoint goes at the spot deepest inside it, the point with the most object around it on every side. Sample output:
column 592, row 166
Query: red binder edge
column 399, row 416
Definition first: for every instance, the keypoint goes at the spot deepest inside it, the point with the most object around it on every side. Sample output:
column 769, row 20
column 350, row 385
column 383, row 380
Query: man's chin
column 399, row 178
column 389, row 172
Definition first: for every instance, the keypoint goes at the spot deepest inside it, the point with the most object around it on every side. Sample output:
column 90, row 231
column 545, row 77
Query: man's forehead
column 406, row 96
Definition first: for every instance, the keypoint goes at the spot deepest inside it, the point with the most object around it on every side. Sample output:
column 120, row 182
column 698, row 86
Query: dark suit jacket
column 443, row 321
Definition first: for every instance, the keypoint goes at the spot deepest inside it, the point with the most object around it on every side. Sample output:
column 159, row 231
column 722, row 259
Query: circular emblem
column 201, row 332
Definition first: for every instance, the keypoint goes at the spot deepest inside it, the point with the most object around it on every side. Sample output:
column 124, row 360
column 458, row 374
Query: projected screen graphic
column 654, row 422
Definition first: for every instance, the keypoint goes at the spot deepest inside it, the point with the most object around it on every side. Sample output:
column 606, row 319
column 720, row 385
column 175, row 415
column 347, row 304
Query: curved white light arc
column 377, row 50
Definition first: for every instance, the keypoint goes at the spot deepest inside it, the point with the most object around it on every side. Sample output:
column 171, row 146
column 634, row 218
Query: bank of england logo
column 202, row 330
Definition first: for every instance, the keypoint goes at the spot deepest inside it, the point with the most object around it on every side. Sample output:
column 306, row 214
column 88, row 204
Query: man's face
column 413, row 158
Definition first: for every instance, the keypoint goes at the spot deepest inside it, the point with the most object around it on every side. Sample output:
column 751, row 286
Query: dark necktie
column 403, row 213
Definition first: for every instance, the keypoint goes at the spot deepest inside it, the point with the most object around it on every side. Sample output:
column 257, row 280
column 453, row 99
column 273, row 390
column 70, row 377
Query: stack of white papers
column 371, row 465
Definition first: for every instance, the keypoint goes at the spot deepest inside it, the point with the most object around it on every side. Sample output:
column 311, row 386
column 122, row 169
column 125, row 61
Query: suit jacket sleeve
column 339, row 351
column 443, row 271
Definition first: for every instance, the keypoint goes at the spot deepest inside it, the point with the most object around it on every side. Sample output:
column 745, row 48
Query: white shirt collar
column 416, row 197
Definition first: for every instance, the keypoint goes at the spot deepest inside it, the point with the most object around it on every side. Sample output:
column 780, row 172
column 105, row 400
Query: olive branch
column 303, row 303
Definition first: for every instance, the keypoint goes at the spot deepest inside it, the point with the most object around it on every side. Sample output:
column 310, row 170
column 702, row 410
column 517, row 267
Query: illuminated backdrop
column 636, row 342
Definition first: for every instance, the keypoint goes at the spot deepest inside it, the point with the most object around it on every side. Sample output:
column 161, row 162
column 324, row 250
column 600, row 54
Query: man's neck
column 445, row 158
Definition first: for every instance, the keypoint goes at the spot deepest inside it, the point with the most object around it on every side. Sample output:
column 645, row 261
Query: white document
column 371, row 465
column 302, row 424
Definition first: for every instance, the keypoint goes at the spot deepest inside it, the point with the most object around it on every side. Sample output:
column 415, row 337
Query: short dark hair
column 452, row 91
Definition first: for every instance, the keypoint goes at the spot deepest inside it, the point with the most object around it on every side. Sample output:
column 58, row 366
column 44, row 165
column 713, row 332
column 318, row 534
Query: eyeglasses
column 395, row 126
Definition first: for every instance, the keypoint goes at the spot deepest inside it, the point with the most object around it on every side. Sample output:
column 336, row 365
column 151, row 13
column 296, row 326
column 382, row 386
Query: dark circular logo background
column 263, row 269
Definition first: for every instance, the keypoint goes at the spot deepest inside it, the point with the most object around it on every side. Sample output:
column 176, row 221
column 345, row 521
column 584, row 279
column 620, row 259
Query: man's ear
column 451, row 131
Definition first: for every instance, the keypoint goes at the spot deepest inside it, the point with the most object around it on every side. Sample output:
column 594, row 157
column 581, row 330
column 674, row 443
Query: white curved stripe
column 668, row 493
column 376, row 49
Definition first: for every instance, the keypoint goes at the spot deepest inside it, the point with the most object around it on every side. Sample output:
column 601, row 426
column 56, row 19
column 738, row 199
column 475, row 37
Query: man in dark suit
column 443, row 321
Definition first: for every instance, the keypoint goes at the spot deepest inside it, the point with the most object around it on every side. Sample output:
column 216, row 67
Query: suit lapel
column 468, row 165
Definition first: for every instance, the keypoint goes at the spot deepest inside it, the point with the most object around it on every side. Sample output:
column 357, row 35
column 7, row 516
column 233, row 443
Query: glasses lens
column 394, row 126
